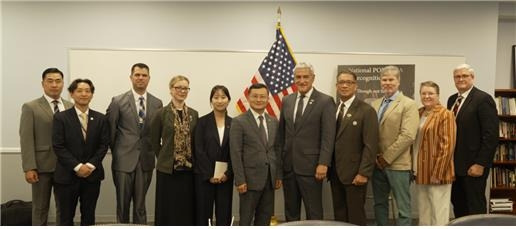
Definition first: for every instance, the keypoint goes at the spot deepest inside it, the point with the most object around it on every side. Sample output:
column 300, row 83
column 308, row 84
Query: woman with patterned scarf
column 171, row 136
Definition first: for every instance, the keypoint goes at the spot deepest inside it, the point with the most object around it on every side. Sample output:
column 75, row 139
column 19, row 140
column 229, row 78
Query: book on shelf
column 506, row 105
column 507, row 209
column 507, row 129
column 503, row 177
column 499, row 205
column 505, row 152
column 500, row 200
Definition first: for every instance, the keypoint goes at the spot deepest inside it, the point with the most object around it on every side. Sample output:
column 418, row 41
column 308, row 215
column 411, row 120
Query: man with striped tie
column 133, row 159
column 477, row 139
column 38, row 158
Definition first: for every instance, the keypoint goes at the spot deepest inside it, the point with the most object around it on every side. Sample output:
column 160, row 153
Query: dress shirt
column 305, row 101
column 256, row 115
column 78, row 166
column 60, row 103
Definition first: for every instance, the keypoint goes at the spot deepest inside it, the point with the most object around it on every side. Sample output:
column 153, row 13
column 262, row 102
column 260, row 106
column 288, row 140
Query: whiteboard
column 110, row 69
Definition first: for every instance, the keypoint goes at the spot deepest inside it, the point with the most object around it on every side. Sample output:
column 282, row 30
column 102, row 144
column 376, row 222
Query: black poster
column 368, row 80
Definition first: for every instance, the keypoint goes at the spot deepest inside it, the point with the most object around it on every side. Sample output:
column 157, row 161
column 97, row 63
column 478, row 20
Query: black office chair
column 316, row 223
column 484, row 220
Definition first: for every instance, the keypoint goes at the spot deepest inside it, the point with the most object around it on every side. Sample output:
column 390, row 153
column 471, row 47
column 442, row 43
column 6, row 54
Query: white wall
column 506, row 39
column 38, row 35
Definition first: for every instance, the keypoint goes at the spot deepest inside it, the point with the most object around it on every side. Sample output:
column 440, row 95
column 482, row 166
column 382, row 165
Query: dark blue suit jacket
column 71, row 148
column 477, row 131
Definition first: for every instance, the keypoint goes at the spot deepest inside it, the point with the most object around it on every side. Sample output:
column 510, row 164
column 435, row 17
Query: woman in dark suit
column 212, row 147
column 172, row 139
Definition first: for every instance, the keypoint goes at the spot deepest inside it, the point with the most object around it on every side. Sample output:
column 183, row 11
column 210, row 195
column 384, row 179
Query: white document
column 220, row 169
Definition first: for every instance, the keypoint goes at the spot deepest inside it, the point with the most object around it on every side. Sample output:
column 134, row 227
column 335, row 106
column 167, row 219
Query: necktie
column 56, row 108
column 84, row 124
column 457, row 105
column 340, row 115
column 299, row 111
column 263, row 134
column 141, row 111
column 382, row 110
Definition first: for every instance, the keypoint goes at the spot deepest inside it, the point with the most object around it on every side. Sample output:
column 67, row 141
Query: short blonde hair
column 176, row 79
column 429, row 84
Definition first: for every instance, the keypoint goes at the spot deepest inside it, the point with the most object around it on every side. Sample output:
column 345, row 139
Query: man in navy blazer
column 477, row 139
column 80, row 139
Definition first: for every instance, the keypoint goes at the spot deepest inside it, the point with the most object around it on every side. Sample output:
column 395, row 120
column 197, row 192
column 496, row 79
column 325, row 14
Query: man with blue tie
column 398, row 122
column 133, row 158
column 255, row 159
column 80, row 138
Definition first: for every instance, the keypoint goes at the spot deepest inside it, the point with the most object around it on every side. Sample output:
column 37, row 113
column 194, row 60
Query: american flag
column 275, row 71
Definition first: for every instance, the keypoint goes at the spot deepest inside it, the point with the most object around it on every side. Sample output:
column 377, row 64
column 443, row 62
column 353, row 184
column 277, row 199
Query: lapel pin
column 348, row 115
column 355, row 123
column 311, row 101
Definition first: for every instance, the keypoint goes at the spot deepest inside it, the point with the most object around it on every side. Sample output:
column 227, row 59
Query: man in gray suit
column 38, row 158
column 133, row 159
column 255, row 159
column 307, row 133
column 356, row 146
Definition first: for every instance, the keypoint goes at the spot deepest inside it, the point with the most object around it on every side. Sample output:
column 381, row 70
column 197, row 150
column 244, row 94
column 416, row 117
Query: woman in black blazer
column 211, row 146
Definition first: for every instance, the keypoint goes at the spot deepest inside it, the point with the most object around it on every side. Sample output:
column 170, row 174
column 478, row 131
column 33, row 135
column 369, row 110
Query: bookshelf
column 503, row 178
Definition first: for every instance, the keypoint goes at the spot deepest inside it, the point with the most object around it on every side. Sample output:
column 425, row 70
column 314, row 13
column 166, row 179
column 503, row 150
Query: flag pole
column 279, row 17
column 274, row 219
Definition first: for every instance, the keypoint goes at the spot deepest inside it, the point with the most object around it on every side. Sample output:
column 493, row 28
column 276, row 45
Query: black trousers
column 348, row 202
column 468, row 195
column 208, row 194
column 175, row 205
column 69, row 195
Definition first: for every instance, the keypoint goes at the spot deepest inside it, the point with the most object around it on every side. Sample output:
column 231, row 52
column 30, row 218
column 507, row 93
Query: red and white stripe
column 274, row 106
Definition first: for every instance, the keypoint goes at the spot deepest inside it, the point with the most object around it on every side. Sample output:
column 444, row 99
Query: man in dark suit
column 133, row 159
column 477, row 139
column 255, row 159
column 80, row 139
column 38, row 158
column 307, row 133
column 356, row 146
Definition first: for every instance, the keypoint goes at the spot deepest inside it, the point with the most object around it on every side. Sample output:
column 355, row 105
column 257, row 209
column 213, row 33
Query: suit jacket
column 129, row 142
column 36, row 135
column 311, row 141
column 208, row 149
column 71, row 148
column 162, row 136
column 251, row 158
column 398, row 130
column 356, row 142
column 435, row 153
column 477, row 131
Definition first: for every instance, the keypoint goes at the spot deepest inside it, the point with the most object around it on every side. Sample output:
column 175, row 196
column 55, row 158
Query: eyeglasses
column 461, row 76
column 346, row 82
column 181, row 88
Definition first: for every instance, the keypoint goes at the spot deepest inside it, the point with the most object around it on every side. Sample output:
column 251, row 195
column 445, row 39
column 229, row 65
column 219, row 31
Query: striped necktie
column 84, row 124
column 457, row 105
column 56, row 107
